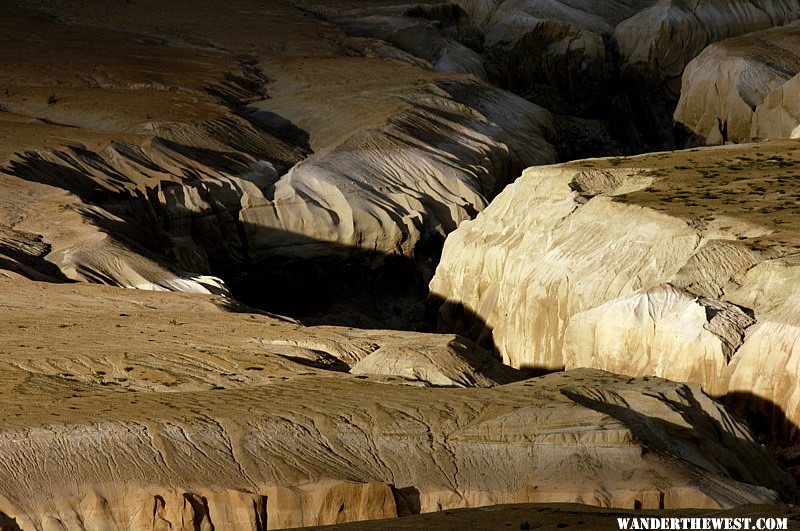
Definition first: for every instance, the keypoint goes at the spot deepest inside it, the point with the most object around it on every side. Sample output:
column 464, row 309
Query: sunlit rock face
column 660, row 264
column 743, row 89
column 165, row 164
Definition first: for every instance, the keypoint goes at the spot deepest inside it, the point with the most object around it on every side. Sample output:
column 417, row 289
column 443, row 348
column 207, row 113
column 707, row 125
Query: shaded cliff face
column 675, row 264
column 620, row 62
column 130, row 409
column 743, row 89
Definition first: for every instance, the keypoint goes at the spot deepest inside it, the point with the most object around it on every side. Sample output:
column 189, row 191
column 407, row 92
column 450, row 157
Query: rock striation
column 557, row 54
column 171, row 412
column 743, row 88
column 674, row 264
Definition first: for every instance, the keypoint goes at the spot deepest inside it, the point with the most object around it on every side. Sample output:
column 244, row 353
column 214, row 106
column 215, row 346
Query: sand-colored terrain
column 744, row 88
column 233, row 160
column 128, row 409
column 167, row 168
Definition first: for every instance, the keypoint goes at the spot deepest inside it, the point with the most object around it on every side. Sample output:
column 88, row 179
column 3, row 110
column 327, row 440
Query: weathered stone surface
column 742, row 88
column 622, row 61
column 221, row 172
column 128, row 409
column 676, row 264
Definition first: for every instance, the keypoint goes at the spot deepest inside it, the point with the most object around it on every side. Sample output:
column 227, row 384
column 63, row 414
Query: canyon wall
column 675, row 264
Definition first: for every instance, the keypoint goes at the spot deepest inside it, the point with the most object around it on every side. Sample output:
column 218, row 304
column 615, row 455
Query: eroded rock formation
column 676, row 265
column 289, row 152
column 587, row 58
column 240, row 173
column 743, row 88
column 146, row 410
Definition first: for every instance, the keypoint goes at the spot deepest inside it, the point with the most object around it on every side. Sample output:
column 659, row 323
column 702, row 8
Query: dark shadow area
column 280, row 127
column 735, row 458
column 599, row 111
column 268, row 269
column 232, row 305
column 767, row 418
column 201, row 517
column 456, row 318
column 325, row 362
column 407, row 501
column 771, row 426
column 30, row 264
column 334, row 285
column 580, row 138
column 8, row 523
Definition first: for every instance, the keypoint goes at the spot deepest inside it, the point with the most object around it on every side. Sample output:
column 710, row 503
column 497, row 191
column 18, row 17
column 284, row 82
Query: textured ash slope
column 744, row 88
column 242, row 157
column 677, row 264
column 129, row 409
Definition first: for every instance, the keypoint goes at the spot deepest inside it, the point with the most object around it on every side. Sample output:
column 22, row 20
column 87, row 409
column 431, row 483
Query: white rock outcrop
column 743, row 88
column 582, row 56
column 636, row 267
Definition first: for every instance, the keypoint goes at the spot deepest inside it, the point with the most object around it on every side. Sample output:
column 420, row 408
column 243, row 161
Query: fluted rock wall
column 658, row 42
column 555, row 53
column 743, row 88
column 640, row 266
column 579, row 57
column 440, row 35
column 778, row 116
column 382, row 190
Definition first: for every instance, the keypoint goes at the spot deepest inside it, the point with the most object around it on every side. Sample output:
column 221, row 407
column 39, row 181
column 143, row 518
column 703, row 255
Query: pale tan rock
column 662, row 264
column 204, row 174
column 559, row 52
column 532, row 281
column 734, row 90
column 657, row 43
column 778, row 116
column 668, row 331
column 459, row 363
column 763, row 375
